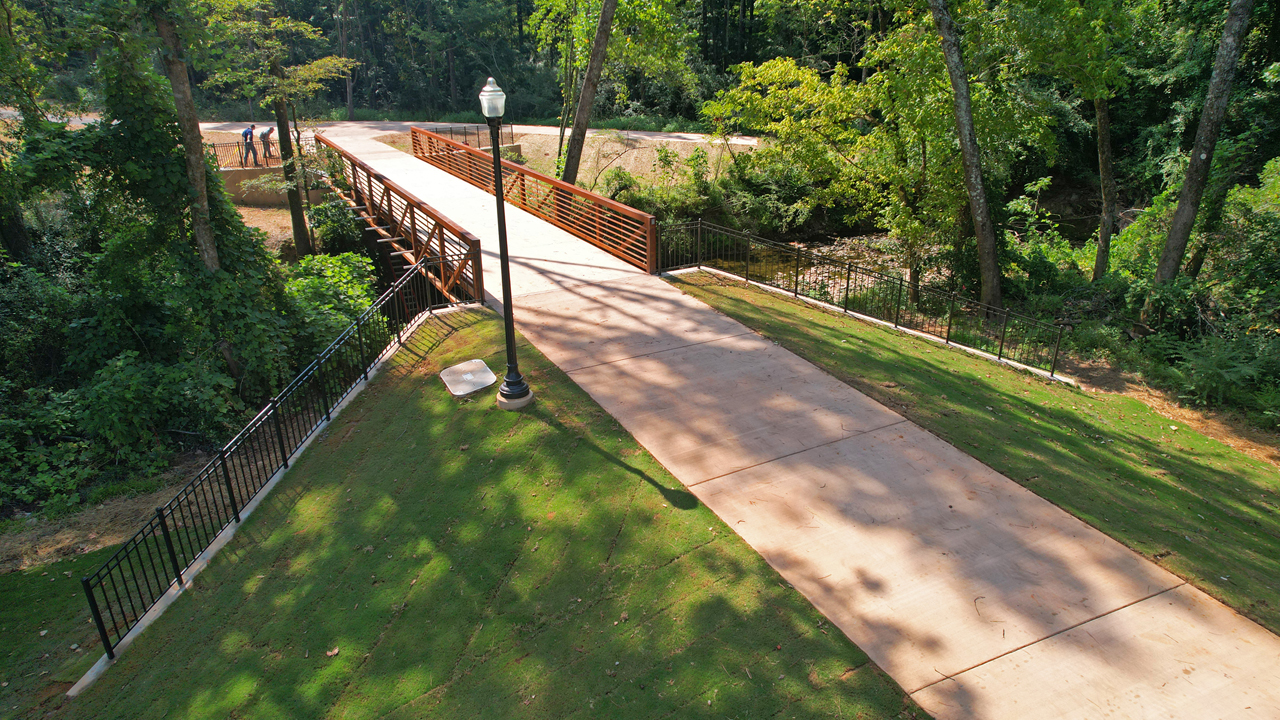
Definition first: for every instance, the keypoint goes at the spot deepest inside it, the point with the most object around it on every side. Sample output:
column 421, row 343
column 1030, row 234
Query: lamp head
column 492, row 100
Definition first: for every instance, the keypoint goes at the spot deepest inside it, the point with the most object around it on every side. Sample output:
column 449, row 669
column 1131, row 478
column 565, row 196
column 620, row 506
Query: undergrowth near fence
column 1195, row 506
column 433, row 556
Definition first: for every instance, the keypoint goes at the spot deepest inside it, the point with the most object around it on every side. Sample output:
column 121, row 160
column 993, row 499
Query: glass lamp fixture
column 492, row 100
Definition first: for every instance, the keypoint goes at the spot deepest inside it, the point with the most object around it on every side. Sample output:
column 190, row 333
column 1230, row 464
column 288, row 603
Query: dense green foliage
column 1217, row 339
column 119, row 345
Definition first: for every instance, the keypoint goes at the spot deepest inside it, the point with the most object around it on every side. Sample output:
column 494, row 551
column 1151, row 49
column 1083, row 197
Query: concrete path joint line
column 658, row 352
column 798, row 452
column 1048, row 637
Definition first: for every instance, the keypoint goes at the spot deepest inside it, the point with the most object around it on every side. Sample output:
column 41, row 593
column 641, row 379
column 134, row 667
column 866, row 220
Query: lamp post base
column 506, row 403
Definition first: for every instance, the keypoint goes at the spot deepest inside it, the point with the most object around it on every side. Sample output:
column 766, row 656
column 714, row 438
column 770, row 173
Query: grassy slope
column 469, row 562
column 1192, row 504
column 35, row 667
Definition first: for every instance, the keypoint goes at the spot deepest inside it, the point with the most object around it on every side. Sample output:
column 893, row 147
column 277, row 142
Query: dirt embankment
column 41, row 540
column 1228, row 428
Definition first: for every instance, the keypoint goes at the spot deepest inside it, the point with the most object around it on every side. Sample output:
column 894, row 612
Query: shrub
column 337, row 229
column 327, row 294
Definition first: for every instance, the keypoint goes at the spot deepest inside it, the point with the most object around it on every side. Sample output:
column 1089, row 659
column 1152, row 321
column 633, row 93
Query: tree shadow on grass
column 475, row 566
column 1190, row 503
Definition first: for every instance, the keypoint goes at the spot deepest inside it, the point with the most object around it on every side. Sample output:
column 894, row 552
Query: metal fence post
column 897, row 304
column 324, row 393
column 168, row 543
column 951, row 312
column 1004, row 329
column 226, row 477
column 275, row 417
column 97, row 618
column 747, row 276
column 795, row 290
column 848, row 270
column 400, row 311
column 699, row 242
column 1053, row 367
column 364, row 355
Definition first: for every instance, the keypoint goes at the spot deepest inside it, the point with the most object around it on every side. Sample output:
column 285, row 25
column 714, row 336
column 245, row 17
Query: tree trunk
column 350, row 79
column 1211, row 224
column 192, row 143
column 301, row 238
column 587, row 97
column 13, row 231
column 570, row 84
column 453, row 85
column 1215, row 106
column 987, row 260
column 1199, row 256
column 1106, row 172
column 913, row 285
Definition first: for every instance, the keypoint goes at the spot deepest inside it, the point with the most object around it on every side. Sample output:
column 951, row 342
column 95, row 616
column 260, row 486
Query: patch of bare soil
column 222, row 137
column 635, row 154
column 865, row 251
column 109, row 523
column 275, row 222
column 1228, row 428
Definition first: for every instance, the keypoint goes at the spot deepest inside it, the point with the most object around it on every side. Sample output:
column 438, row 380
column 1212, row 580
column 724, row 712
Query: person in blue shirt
column 249, row 147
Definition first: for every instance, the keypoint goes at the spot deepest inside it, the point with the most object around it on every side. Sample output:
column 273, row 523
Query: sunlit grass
column 467, row 562
column 1197, row 507
column 37, row 668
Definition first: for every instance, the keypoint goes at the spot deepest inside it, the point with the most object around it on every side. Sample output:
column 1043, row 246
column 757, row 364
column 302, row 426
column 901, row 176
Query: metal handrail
column 409, row 226
column 954, row 319
column 231, row 155
column 621, row 231
column 134, row 579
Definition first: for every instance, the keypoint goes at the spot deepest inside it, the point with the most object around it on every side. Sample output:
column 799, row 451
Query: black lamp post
column 514, row 393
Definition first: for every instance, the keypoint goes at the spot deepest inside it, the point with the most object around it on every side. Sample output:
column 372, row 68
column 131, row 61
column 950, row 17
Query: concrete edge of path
column 204, row 558
column 1056, row 377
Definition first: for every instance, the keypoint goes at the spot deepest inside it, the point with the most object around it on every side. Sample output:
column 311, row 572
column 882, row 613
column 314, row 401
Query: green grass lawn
column 47, row 639
column 1195, row 506
column 437, row 557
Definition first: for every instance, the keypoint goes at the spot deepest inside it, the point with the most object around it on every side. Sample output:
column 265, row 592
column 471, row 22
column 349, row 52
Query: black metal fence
column 236, row 155
column 477, row 136
column 890, row 298
column 134, row 579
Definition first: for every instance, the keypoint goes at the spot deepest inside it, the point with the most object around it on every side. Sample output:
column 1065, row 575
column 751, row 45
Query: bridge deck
column 980, row 598
column 543, row 257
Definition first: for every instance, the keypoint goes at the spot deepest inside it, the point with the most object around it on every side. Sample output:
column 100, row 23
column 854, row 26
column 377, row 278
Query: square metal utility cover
column 468, row 377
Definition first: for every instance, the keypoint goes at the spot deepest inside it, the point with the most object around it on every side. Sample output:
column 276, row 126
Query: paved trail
column 981, row 599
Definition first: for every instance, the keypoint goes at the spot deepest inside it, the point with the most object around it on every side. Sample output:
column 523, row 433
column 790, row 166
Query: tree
column 645, row 43
column 175, row 67
column 1077, row 40
column 256, row 68
column 982, row 225
column 1215, row 106
column 587, row 96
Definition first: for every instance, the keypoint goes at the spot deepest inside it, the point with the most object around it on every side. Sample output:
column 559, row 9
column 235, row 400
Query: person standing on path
column 265, row 137
column 249, row 147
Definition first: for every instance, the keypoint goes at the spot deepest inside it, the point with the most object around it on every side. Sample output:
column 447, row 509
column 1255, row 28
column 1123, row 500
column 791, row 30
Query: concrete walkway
column 981, row 599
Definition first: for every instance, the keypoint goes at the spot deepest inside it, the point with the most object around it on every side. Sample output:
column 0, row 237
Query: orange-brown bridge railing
column 621, row 231
column 410, row 229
